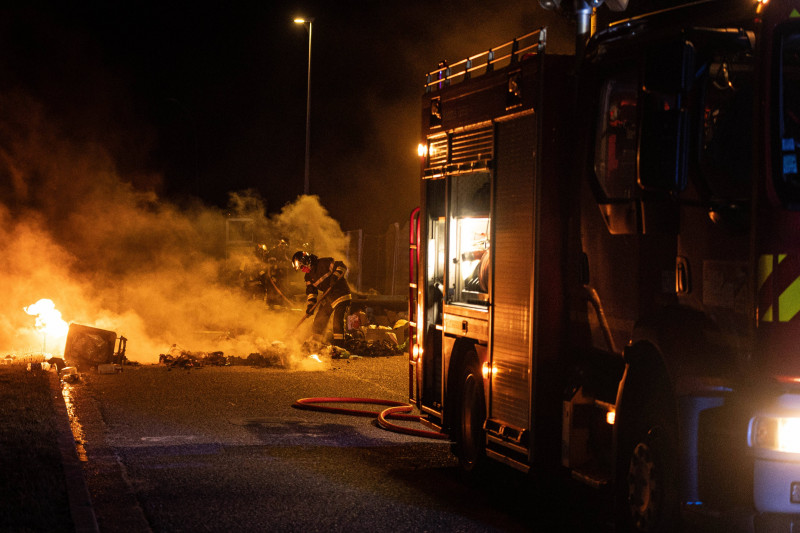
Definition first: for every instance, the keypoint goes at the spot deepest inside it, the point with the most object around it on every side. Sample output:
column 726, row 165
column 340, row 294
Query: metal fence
column 378, row 262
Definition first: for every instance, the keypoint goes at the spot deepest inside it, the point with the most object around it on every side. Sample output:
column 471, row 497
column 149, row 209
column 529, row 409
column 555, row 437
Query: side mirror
column 733, row 217
column 664, row 127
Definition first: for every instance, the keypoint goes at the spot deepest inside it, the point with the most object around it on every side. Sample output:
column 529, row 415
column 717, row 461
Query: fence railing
column 378, row 262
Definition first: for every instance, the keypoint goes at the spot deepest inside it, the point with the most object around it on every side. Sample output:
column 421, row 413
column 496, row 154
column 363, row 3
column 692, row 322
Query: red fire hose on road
column 395, row 411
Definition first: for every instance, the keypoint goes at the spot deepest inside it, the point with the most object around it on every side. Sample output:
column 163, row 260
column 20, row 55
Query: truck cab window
column 467, row 280
column 727, row 127
column 788, row 135
column 616, row 137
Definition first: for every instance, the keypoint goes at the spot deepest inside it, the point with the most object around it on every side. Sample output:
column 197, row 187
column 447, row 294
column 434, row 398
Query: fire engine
column 605, row 263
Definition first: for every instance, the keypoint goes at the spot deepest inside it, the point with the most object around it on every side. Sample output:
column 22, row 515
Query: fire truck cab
column 605, row 264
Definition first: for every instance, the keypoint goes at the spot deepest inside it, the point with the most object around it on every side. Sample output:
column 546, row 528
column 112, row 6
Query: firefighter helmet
column 303, row 259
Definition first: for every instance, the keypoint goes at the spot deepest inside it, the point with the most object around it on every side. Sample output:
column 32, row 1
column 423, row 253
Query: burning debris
column 383, row 343
column 367, row 339
column 37, row 360
column 159, row 273
column 48, row 321
column 70, row 375
column 38, row 367
column 48, row 318
column 185, row 360
column 276, row 355
column 362, row 348
column 87, row 346
column 37, row 363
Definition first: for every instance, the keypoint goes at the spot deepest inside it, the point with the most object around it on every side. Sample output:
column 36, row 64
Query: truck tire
column 471, row 413
column 647, row 484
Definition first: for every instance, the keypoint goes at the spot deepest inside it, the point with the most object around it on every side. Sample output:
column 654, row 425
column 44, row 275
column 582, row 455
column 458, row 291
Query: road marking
column 168, row 438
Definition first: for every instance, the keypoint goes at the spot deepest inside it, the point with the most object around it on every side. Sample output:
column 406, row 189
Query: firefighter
column 277, row 261
column 326, row 275
column 252, row 274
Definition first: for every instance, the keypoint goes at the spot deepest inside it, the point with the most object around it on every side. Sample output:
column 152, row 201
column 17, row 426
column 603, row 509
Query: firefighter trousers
column 337, row 308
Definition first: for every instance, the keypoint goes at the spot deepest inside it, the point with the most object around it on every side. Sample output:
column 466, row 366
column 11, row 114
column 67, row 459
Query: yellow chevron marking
column 794, row 14
column 764, row 269
column 767, row 317
column 789, row 302
column 781, row 257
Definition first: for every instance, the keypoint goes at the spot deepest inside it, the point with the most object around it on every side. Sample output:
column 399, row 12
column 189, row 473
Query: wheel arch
column 646, row 374
column 687, row 341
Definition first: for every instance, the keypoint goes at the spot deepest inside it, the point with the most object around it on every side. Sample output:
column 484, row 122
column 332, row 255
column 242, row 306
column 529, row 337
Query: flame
column 48, row 318
column 315, row 357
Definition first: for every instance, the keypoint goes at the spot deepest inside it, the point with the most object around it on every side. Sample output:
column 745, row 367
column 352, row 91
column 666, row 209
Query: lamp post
column 308, row 101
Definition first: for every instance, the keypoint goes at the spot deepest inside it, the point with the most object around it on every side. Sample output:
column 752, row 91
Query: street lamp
column 308, row 100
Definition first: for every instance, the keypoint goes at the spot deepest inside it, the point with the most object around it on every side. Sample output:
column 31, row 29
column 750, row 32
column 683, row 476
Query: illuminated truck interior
column 467, row 281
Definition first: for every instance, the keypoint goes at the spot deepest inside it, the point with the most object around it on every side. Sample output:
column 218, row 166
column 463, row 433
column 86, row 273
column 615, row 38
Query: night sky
column 198, row 99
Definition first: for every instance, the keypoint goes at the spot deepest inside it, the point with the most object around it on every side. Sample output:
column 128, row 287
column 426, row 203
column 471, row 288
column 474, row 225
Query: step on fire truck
column 605, row 265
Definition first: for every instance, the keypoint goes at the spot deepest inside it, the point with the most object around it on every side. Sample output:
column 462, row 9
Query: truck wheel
column 647, row 486
column 471, row 415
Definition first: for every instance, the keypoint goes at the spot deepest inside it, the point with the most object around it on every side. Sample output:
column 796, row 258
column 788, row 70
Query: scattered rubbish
column 313, row 345
column 357, row 320
column 339, row 353
column 216, row 359
column 88, row 346
column 379, row 333
column 261, row 359
column 108, row 368
column 380, row 348
column 183, row 360
column 368, row 340
column 70, row 374
column 396, row 334
column 38, row 366
column 274, row 356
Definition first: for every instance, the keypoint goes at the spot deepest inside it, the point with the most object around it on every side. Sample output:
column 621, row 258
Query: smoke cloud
column 72, row 229
column 83, row 221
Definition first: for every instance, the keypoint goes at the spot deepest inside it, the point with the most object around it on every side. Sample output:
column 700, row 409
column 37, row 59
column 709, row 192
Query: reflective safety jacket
column 324, row 274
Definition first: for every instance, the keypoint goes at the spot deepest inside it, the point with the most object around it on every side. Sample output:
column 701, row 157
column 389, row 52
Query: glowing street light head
column 301, row 20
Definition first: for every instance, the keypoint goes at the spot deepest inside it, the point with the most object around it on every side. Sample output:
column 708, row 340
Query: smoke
column 82, row 224
column 375, row 112
column 73, row 230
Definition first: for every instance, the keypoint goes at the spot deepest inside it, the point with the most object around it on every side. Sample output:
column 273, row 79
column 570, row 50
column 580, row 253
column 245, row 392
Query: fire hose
column 275, row 286
column 310, row 311
column 395, row 411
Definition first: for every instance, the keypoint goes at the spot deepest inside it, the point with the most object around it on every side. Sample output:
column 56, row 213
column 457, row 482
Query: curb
column 80, row 503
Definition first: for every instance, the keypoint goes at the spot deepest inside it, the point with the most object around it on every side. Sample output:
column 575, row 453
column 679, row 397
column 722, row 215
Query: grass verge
column 33, row 491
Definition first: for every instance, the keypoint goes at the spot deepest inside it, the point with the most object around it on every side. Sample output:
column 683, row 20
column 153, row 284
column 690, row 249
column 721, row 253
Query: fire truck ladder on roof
column 485, row 62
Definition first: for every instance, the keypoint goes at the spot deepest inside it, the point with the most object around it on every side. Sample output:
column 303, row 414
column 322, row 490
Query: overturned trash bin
column 89, row 347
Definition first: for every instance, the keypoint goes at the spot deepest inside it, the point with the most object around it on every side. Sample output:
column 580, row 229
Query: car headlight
column 775, row 433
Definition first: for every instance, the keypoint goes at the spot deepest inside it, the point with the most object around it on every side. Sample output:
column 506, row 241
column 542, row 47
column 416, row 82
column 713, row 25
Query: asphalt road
column 222, row 449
